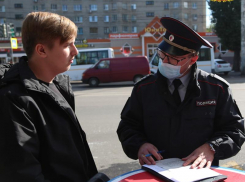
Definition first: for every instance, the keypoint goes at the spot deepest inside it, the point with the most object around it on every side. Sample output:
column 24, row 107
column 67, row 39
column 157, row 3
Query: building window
column 106, row 7
column 114, row 29
column 43, row 7
column 93, row 19
column 114, row 5
column 2, row 20
column 149, row 3
column 93, row 30
column 134, row 29
column 166, row 5
column 133, row 18
column 175, row 5
column 35, row 8
column 185, row 4
column 18, row 5
column 194, row 27
column 133, row 6
column 78, row 19
column 53, row 6
column 106, row 18
column 2, row 8
column 124, row 6
column 18, row 16
column 93, row 7
column 80, row 31
column 114, row 17
column 125, row 29
column 149, row 14
column 106, row 30
column 18, row 29
column 125, row 17
column 194, row 5
column 194, row 16
column 64, row 7
column 176, row 16
column 186, row 16
column 77, row 7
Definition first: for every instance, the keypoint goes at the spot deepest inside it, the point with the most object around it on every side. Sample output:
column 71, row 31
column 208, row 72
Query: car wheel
column 137, row 78
column 93, row 82
column 226, row 73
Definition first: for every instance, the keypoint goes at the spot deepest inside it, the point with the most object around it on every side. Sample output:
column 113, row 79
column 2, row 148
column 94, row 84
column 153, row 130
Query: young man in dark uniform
column 40, row 136
column 188, row 113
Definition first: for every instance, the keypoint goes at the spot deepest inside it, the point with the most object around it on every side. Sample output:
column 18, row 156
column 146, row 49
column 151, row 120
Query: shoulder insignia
column 219, row 78
column 143, row 78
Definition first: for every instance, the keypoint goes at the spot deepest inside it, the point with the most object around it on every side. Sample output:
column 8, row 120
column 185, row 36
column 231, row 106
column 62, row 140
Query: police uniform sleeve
column 130, row 130
column 228, row 134
column 19, row 143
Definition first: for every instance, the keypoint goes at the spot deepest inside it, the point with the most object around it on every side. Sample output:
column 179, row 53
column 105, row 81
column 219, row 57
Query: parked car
column 222, row 66
column 116, row 70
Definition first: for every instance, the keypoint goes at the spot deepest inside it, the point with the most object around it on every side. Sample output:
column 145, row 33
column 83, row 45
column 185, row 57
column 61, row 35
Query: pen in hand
column 160, row 151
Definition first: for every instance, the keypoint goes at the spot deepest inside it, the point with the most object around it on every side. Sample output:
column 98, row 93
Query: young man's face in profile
column 61, row 56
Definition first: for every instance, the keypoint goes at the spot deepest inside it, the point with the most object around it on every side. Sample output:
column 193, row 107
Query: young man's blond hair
column 44, row 28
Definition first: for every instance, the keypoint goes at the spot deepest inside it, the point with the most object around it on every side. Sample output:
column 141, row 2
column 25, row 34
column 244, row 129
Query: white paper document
column 172, row 169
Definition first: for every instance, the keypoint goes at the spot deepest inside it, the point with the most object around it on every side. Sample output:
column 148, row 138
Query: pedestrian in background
column 181, row 110
column 40, row 136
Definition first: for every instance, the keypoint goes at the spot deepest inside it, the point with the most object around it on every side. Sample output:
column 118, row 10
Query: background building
column 126, row 25
column 97, row 18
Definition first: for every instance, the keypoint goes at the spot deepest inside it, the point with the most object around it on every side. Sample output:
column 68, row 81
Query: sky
column 208, row 13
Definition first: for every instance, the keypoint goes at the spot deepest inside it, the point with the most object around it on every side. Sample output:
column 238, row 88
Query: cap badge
column 171, row 38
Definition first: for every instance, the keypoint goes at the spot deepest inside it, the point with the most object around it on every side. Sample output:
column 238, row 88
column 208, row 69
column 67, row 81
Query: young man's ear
column 40, row 50
column 194, row 59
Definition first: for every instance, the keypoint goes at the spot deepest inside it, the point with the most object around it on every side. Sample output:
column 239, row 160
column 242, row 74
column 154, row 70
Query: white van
column 85, row 59
column 205, row 61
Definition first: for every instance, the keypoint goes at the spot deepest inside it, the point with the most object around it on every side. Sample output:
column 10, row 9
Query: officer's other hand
column 202, row 156
column 148, row 148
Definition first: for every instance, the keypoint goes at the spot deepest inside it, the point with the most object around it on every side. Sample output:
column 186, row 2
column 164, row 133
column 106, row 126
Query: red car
column 116, row 70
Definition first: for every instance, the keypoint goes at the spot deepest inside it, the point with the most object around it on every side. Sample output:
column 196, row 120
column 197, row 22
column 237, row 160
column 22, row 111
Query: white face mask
column 170, row 71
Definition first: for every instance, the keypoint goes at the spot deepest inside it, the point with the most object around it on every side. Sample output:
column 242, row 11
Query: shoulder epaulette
column 219, row 78
column 143, row 78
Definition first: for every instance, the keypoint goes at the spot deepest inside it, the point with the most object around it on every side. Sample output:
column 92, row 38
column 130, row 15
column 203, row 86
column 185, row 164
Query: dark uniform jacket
column 40, row 136
column 207, row 114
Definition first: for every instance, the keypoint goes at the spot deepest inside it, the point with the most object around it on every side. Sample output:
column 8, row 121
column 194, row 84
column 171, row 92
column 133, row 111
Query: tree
column 227, row 26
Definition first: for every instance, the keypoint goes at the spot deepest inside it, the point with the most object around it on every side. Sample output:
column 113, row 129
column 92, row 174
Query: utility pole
column 242, row 67
column 10, row 33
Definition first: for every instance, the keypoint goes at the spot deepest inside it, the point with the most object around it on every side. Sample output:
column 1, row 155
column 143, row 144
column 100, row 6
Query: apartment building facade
column 96, row 19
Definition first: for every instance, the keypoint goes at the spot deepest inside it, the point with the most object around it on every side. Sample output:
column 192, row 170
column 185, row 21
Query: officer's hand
column 200, row 157
column 148, row 148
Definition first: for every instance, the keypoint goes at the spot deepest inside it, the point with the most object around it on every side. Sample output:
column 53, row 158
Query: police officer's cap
column 180, row 39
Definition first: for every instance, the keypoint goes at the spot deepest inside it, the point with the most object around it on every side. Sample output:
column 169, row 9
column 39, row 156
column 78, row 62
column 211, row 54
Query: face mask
column 170, row 71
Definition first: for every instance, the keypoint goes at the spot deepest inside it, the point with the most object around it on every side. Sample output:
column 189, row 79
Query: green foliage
column 227, row 23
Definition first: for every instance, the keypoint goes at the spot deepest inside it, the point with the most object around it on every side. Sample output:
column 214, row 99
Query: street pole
column 242, row 67
column 9, row 35
column 11, row 52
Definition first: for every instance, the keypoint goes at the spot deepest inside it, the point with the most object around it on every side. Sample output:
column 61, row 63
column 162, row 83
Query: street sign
column 14, row 43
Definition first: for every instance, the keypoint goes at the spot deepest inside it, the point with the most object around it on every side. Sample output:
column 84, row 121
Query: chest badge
column 206, row 103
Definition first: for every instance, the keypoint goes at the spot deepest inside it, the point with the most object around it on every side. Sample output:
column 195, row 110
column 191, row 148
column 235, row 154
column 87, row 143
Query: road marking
column 232, row 164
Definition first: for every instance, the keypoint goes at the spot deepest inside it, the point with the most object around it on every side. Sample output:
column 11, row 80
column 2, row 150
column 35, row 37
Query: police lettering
column 206, row 103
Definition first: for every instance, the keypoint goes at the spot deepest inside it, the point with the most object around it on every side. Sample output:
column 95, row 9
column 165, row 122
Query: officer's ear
column 194, row 59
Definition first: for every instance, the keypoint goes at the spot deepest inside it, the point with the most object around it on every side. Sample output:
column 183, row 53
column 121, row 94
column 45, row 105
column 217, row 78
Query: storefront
column 126, row 44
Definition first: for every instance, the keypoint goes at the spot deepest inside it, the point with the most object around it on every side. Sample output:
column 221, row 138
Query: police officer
column 181, row 110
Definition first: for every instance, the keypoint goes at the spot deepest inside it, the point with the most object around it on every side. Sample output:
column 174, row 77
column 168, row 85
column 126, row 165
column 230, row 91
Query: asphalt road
column 98, row 110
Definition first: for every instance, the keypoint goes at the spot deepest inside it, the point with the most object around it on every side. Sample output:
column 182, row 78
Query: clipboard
column 170, row 170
